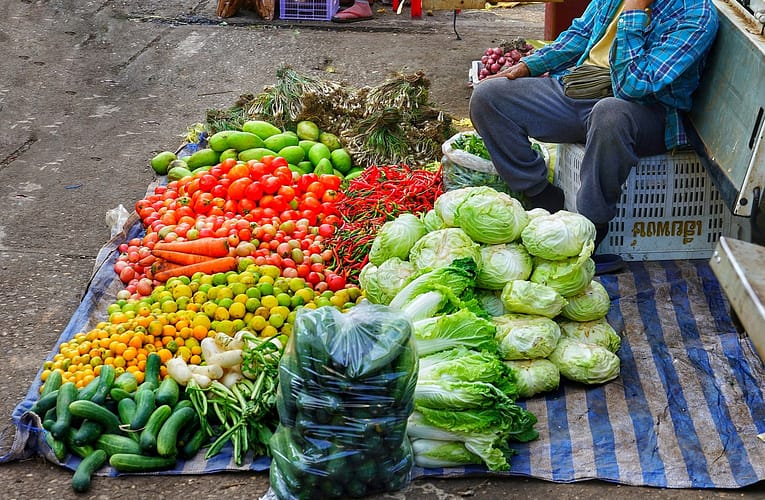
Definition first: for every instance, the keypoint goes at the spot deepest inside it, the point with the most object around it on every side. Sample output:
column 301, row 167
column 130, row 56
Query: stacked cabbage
column 535, row 277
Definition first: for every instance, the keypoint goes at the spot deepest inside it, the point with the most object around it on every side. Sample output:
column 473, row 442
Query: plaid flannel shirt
column 654, row 58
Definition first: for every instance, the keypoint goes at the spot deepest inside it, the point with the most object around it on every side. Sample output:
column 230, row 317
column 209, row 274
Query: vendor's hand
column 519, row 70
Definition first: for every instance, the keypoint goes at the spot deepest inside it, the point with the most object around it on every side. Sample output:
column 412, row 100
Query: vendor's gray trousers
column 615, row 132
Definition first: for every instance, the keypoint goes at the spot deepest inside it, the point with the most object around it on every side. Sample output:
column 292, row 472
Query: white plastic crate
column 669, row 208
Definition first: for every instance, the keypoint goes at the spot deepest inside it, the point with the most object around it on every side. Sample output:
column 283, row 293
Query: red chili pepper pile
column 378, row 195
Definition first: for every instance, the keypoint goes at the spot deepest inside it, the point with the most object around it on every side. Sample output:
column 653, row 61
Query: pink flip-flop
column 353, row 14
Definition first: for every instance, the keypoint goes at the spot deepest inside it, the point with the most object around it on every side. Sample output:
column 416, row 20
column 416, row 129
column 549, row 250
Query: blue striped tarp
column 685, row 412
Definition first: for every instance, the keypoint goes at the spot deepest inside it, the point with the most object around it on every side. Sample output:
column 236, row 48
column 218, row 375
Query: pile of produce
column 528, row 303
column 388, row 124
column 503, row 56
column 346, row 383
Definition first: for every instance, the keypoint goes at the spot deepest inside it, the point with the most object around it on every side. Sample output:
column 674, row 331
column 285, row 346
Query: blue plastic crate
column 308, row 10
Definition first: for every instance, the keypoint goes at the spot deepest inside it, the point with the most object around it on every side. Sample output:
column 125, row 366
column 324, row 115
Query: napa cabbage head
column 534, row 376
column 441, row 247
column 523, row 336
column 598, row 332
column 557, row 236
column 568, row 276
column 490, row 301
column 491, row 217
column 503, row 263
column 396, row 238
column 526, row 297
column 459, row 329
column 590, row 304
column 585, row 363
column 381, row 283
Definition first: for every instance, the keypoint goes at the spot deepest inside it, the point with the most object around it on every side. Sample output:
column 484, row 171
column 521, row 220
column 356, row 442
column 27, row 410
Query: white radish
column 212, row 371
column 178, row 370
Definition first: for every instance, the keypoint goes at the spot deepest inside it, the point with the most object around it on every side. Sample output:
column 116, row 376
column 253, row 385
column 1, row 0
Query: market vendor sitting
column 620, row 78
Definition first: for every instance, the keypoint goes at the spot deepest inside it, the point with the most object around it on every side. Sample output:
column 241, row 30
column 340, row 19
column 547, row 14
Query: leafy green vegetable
column 534, row 376
column 458, row 395
column 381, row 284
column 585, row 363
column 525, row 297
column 433, row 453
column 473, row 144
column 450, row 281
column 566, row 276
column 432, row 220
column 439, row 248
column 590, row 304
column 492, row 217
column 446, row 205
column 396, row 238
column 598, row 332
column 503, row 263
column 462, row 328
column 557, row 236
column 523, row 336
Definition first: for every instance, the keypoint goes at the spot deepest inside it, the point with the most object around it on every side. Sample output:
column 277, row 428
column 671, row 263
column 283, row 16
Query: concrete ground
column 91, row 89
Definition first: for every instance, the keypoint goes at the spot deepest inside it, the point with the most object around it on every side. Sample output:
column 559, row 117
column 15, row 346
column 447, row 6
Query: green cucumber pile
column 133, row 427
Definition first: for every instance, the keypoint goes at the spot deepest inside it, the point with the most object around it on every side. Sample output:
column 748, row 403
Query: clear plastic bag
column 346, row 386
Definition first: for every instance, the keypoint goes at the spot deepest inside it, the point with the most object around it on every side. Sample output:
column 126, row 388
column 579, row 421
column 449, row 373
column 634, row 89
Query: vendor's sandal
column 353, row 14
column 607, row 263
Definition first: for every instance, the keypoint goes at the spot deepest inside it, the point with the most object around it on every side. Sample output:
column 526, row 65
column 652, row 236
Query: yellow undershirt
column 599, row 52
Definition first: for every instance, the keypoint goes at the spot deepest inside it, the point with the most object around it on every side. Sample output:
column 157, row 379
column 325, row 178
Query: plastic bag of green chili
column 346, row 387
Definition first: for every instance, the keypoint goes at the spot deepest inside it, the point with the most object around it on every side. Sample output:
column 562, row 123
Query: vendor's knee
column 609, row 117
column 483, row 95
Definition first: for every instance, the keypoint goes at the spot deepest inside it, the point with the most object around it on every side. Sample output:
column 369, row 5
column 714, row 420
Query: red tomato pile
column 267, row 212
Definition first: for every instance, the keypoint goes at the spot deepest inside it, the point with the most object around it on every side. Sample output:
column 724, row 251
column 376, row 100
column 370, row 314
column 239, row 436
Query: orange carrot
column 180, row 257
column 160, row 265
column 147, row 261
column 219, row 265
column 212, row 247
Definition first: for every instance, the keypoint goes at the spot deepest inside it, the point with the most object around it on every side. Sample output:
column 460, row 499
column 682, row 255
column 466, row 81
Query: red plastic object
column 416, row 8
column 558, row 16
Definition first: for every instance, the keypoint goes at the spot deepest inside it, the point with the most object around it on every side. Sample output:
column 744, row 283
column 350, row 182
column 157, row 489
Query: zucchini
column 126, row 410
column 151, row 371
column 57, row 445
column 52, row 383
column 84, row 471
column 168, row 392
column 167, row 437
column 87, row 433
column 145, row 406
column 148, row 439
column 67, row 393
column 91, row 411
column 115, row 443
column 131, row 462
column 105, row 381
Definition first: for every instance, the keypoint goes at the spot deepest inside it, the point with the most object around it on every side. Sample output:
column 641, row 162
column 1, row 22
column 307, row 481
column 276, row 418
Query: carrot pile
column 184, row 258
column 378, row 195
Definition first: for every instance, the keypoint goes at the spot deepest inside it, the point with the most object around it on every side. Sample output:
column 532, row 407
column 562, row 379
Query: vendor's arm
column 568, row 47
column 644, row 61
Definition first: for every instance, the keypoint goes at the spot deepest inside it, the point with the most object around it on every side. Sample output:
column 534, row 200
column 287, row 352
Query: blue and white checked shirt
column 652, row 60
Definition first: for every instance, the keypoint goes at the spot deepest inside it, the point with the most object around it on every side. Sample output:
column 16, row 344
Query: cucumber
column 67, row 393
column 118, row 394
column 45, row 403
column 167, row 437
column 52, row 383
column 105, row 381
column 91, row 411
column 57, row 445
column 49, row 419
column 145, row 406
column 89, row 390
column 132, row 462
column 148, row 439
column 84, row 471
column 151, row 371
column 167, row 393
column 192, row 446
column 87, row 433
column 114, row 443
column 126, row 410
column 81, row 451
